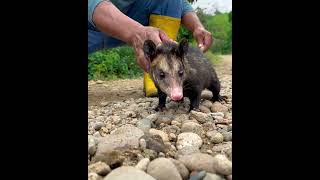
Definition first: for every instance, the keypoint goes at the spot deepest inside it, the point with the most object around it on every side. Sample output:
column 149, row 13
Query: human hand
column 203, row 38
column 146, row 32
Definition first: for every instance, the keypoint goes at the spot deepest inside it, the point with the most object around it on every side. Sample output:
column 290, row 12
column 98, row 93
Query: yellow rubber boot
column 170, row 26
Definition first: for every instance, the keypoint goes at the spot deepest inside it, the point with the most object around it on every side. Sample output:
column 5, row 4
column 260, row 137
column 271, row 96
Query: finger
column 201, row 47
column 142, row 61
column 163, row 36
column 207, row 42
column 200, row 41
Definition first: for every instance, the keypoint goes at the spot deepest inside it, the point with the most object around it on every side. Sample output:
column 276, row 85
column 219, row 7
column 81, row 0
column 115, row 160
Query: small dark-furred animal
column 181, row 71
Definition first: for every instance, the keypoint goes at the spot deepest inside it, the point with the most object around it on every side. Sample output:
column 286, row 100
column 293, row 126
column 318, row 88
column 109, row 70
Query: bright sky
column 210, row 5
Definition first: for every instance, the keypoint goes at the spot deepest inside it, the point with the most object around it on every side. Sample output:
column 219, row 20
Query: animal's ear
column 149, row 49
column 183, row 47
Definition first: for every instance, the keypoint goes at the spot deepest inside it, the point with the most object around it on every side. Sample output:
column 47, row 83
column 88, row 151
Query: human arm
column 191, row 21
column 110, row 20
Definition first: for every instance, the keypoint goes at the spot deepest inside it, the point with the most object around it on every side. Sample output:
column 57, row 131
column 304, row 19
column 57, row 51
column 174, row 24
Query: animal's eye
column 180, row 73
column 162, row 75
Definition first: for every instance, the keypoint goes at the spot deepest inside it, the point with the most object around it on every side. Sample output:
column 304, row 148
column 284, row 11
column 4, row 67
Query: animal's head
column 167, row 66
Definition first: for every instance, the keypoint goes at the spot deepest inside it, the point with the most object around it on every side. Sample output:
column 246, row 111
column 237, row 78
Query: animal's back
column 200, row 69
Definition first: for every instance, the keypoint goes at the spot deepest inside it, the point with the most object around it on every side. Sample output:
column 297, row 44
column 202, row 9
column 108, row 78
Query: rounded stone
column 163, row 169
column 128, row 173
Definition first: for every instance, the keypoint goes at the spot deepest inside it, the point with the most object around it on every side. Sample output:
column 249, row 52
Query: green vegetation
column 113, row 64
column 121, row 63
column 220, row 25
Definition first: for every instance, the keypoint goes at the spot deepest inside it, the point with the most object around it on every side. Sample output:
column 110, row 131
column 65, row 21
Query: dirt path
column 118, row 90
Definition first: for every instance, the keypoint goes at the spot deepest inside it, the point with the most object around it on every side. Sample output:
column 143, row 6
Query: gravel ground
column 127, row 139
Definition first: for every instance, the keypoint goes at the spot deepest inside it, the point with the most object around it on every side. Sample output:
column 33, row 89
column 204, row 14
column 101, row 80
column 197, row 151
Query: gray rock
column 211, row 176
column 200, row 117
column 218, row 118
column 188, row 139
column 149, row 153
column 172, row 105
column 198, row 175
column 215, row 136
column 166, row 119
column 209, row 151
column 228, row 153
column 207, row 103
column 192, row 127
column 105, row 103
column 128, row 173
column 171, row 129
column 209, row 126
column 172, row 137
column 97, row 134
column 91, row 145
column 206, row 94
column 126, row 136
column 142, row 143
column 98, row 125
column 218, row 107
column 100, row 118
column 188, row 150
column 198, row 162
column 181, row 118
column 222, row 128
column 153, row 117
column 227, row 136
column 113, row 158
column 183, row 171
column 144, row 124
column 217, row 114
column 163, row 135
column 94, row 176
column 176, row 123
column 163, row 169
column 116, row 119
column 100, row 168
column 161, row 154
column 155, row 143
column 222, row 147
column 130, row 114
column 204, row 109
column 229, row 127
column 143, row 164
column 222, row 164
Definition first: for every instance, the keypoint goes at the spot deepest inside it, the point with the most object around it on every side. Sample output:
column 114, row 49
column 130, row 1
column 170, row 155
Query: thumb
column 200, row 41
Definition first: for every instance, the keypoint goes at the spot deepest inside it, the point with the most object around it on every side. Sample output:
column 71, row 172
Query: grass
column 214, row 58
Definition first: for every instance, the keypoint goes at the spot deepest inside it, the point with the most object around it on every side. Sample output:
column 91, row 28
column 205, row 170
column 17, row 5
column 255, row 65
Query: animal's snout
column 176, row 94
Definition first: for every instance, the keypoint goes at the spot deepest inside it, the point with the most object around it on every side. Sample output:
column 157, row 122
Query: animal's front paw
column 223, row 98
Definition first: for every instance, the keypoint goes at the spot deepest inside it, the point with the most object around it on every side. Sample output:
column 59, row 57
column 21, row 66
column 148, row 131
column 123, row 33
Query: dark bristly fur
column 171, row 60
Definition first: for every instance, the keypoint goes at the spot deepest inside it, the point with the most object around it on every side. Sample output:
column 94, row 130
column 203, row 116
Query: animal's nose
column 176, row 94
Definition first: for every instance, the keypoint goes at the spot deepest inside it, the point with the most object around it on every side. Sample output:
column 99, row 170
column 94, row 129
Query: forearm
column 110, row 20
column 191, row 21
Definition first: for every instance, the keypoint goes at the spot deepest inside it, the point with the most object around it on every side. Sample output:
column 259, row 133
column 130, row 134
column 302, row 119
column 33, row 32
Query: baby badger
column 181, row 71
